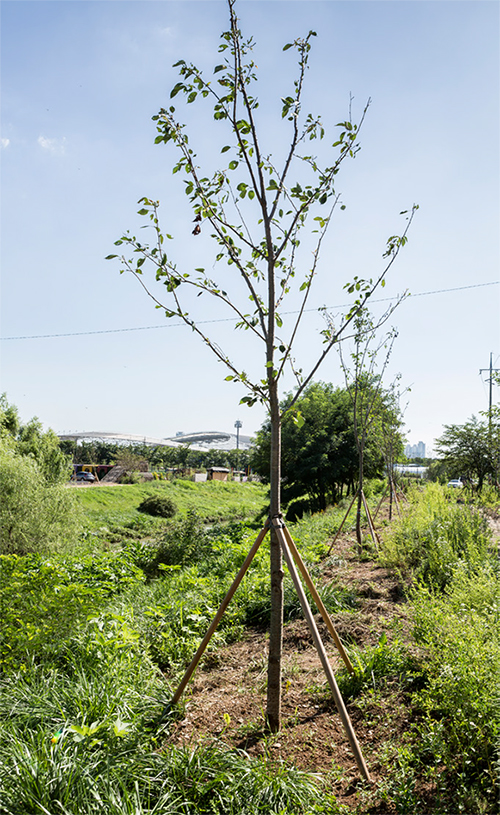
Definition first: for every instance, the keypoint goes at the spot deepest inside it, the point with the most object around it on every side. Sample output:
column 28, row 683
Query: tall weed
column 461, row 634
column 433, row 537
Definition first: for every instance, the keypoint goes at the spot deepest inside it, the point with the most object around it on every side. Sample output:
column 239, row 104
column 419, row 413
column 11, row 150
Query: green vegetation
column 470, row 451
column 158, row 505
column 435, row 537
column 37, row 514
column 97, row 630
column 81, row 693
column 111, row 513
column 320, row 461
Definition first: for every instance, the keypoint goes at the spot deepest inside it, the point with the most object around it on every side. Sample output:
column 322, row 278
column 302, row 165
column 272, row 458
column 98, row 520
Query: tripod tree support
column 285, row 541
column 216, row 620
column 339, row 530
column 346, row 721
column 317, row 599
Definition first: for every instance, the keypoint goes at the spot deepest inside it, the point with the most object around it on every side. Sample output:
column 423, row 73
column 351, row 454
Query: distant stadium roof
column 206, row 440
column 212, row 440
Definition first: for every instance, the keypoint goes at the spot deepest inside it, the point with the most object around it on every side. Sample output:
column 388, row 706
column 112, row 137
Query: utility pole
column 237, row 425
column 491, row 369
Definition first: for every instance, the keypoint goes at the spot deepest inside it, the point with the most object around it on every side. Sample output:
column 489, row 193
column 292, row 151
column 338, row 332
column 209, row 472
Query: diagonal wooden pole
column 339, row 530
column 381, row 500
column 371, row 526
column 317, row 599
column 346, row 721
column 216, row 620
column 396, row 498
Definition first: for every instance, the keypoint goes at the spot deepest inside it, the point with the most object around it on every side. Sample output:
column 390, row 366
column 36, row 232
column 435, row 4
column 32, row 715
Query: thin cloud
column 4, row 143
column 55, row 146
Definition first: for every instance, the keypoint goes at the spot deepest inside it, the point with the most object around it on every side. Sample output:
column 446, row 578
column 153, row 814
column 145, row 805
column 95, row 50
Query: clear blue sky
column 80, row 83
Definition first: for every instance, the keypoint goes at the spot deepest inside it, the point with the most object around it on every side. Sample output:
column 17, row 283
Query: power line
column 230, row 319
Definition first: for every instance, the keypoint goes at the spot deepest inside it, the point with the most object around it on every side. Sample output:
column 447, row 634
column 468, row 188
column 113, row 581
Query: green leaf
column 175, row 90
column 219, row 68
column 142, row 211
column 226, row 148
column 120, row 728
column 298, row 419
column 233, row 164
column 287, row 46
column 110, row 257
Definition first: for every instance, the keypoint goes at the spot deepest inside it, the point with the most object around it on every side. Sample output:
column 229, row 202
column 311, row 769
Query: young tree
column 390, row 423
column 364, row 382
column 256, row 213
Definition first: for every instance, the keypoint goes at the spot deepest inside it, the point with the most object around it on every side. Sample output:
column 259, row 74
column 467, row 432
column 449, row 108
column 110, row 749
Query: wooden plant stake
column 216, row 620
column 339, row 530
column 346, row 721
column 317, row 599
column 371, row 526
column 381, row 500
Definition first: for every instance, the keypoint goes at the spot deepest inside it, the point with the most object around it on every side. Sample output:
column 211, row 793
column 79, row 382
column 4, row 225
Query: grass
column 112, row 511
column 83, row 637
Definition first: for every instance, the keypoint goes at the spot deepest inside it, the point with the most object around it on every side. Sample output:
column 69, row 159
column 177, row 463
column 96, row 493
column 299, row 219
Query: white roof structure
column 213, row 440
column 205, row 440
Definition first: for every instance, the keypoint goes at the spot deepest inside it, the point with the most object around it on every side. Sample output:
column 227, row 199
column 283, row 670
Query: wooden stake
column 375, row 537
column 339, row 530
column 381, row 500
column 322, row 653
column 317, row 599
column 216, row 620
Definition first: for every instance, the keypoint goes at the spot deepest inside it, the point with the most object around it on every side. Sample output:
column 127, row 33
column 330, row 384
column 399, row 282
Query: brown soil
column 227, row 697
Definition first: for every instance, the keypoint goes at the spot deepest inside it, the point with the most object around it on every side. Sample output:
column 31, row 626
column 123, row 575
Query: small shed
column 218, row 474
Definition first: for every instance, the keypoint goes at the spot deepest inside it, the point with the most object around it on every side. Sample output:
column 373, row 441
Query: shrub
column 160, row 505
column 43, row 602
column 40, row 610
column 184, row 542
column 35, row 516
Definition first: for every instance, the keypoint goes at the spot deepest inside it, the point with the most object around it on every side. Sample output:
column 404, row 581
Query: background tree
column 32, row 440
column 319, row 455
column 256, row 213
column 468, row 450
column 37, row 511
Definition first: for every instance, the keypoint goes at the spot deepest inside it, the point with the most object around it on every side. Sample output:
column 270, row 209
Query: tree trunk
column 273, row 711
column 359, row 537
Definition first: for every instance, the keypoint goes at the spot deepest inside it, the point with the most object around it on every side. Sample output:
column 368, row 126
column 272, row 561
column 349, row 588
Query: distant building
column 415, row 450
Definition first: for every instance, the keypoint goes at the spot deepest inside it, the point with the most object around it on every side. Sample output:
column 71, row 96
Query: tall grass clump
column 82, row 740
column 434, row 536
